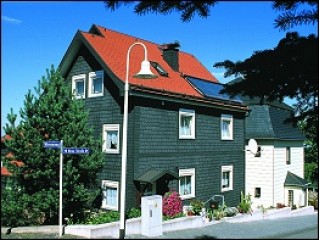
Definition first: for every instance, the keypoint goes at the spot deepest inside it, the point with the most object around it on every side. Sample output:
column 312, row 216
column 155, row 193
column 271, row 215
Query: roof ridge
column 126, row 34
column 131, row 36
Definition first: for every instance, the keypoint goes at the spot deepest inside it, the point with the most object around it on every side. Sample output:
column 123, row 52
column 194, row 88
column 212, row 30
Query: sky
column 35, row 35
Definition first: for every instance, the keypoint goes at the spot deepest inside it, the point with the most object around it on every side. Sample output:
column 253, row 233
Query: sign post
column 60, row 189
column 72, row 150
column 58, row 145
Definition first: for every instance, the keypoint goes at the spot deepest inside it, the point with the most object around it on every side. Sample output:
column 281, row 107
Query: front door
column 290, row 198
column 162, row 186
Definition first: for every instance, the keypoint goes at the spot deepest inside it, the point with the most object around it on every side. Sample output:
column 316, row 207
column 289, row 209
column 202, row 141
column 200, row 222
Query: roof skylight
column 159, row 69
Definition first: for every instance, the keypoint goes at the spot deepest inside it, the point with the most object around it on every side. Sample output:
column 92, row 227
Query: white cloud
column 10, row 20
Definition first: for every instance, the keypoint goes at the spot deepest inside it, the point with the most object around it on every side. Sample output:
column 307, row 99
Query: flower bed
column 133, row 226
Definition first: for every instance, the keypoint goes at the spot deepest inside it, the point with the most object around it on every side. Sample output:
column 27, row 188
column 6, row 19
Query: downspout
column 273, row 200
column 247, row 114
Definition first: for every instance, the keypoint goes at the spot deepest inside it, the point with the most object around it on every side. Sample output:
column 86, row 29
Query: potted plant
column 190, row 212
column 210, row 215
column 196, row 206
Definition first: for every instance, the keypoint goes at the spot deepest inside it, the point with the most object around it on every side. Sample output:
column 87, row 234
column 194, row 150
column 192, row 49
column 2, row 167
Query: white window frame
column 98, row 74
column 110, row 184
column 229, row 118
column 187, row 113
column 229, row 169
column 185, row 173
column 105, row 129
column 75, row 79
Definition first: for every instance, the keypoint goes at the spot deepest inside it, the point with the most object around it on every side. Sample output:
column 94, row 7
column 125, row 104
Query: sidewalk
column 248, row 230
column 254, row 227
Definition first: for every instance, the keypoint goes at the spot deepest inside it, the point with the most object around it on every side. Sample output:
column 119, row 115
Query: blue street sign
column 74, row 150
column 52, row 144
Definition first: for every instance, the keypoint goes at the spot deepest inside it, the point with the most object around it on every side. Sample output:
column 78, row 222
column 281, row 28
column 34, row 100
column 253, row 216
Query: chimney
column 170, row 54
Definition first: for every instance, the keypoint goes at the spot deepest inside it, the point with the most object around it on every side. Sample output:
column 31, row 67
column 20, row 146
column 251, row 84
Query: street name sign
column 52, row 144
column 74, row 150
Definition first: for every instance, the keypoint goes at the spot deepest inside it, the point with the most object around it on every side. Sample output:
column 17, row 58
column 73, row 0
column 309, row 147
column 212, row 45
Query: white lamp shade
column 145, row 71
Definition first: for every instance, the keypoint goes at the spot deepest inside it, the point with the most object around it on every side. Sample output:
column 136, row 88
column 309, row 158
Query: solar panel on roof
column 211, row 89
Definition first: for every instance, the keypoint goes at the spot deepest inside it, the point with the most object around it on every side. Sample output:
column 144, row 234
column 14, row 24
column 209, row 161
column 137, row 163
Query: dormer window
column 159, row 69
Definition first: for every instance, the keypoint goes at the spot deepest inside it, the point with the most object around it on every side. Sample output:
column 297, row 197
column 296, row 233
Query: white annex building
column 275, row 174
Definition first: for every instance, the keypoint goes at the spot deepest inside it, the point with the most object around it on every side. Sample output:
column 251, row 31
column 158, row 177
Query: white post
column 60, row 189
column 124, row 144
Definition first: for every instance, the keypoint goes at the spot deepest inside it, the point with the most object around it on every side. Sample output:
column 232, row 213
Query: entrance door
column 162, row 186
column 290, row 198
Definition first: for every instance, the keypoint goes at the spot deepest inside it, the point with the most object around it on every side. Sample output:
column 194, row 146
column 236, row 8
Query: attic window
column 159, row 69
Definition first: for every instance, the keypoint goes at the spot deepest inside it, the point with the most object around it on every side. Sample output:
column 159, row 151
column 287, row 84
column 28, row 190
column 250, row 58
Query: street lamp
column 145, row 73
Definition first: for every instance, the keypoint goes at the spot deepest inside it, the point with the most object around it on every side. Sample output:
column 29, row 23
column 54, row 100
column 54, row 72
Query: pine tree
column 53, row 114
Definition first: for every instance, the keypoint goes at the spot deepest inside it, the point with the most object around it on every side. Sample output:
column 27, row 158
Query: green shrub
column 313, row 199
column 178, row 215
column 245, row 203
column 197, row 206
column 11, row 210
column 20, row 209
column 134, row 212
column 218, row 214
column 103, row 217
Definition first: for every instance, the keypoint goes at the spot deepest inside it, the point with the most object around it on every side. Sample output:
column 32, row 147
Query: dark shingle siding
column 102, row 110
column 153, row 140
column 161, row 148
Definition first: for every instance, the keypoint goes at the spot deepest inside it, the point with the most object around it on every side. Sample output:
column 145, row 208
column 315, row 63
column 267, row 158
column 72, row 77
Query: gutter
column 141, row 91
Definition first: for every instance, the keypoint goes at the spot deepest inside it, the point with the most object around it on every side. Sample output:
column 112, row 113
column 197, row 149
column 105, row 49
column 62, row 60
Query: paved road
column 290, row 227
column 308, row 233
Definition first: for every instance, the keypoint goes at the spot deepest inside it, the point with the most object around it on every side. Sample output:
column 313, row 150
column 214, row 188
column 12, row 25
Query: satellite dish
column 253, row 146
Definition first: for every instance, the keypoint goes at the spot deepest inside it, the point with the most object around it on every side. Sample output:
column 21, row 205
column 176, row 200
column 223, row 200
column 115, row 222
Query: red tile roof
column 9, row 155
column 6, row 137
column 112, row 48
column 5, row 172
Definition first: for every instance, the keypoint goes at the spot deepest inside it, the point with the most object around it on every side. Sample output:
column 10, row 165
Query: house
column 182, row 134
column 276, row 173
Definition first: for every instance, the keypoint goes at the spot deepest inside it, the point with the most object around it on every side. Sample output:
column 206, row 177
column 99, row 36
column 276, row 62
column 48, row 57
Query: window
column 159, row 69
column 187, row 183
column 186, row 124
column 110, row 195
column 288, row 155
column 226, row 178
column 95, row 84
column 110, row 138
column 226, row 127
column 79, row 86
column 257, row 192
